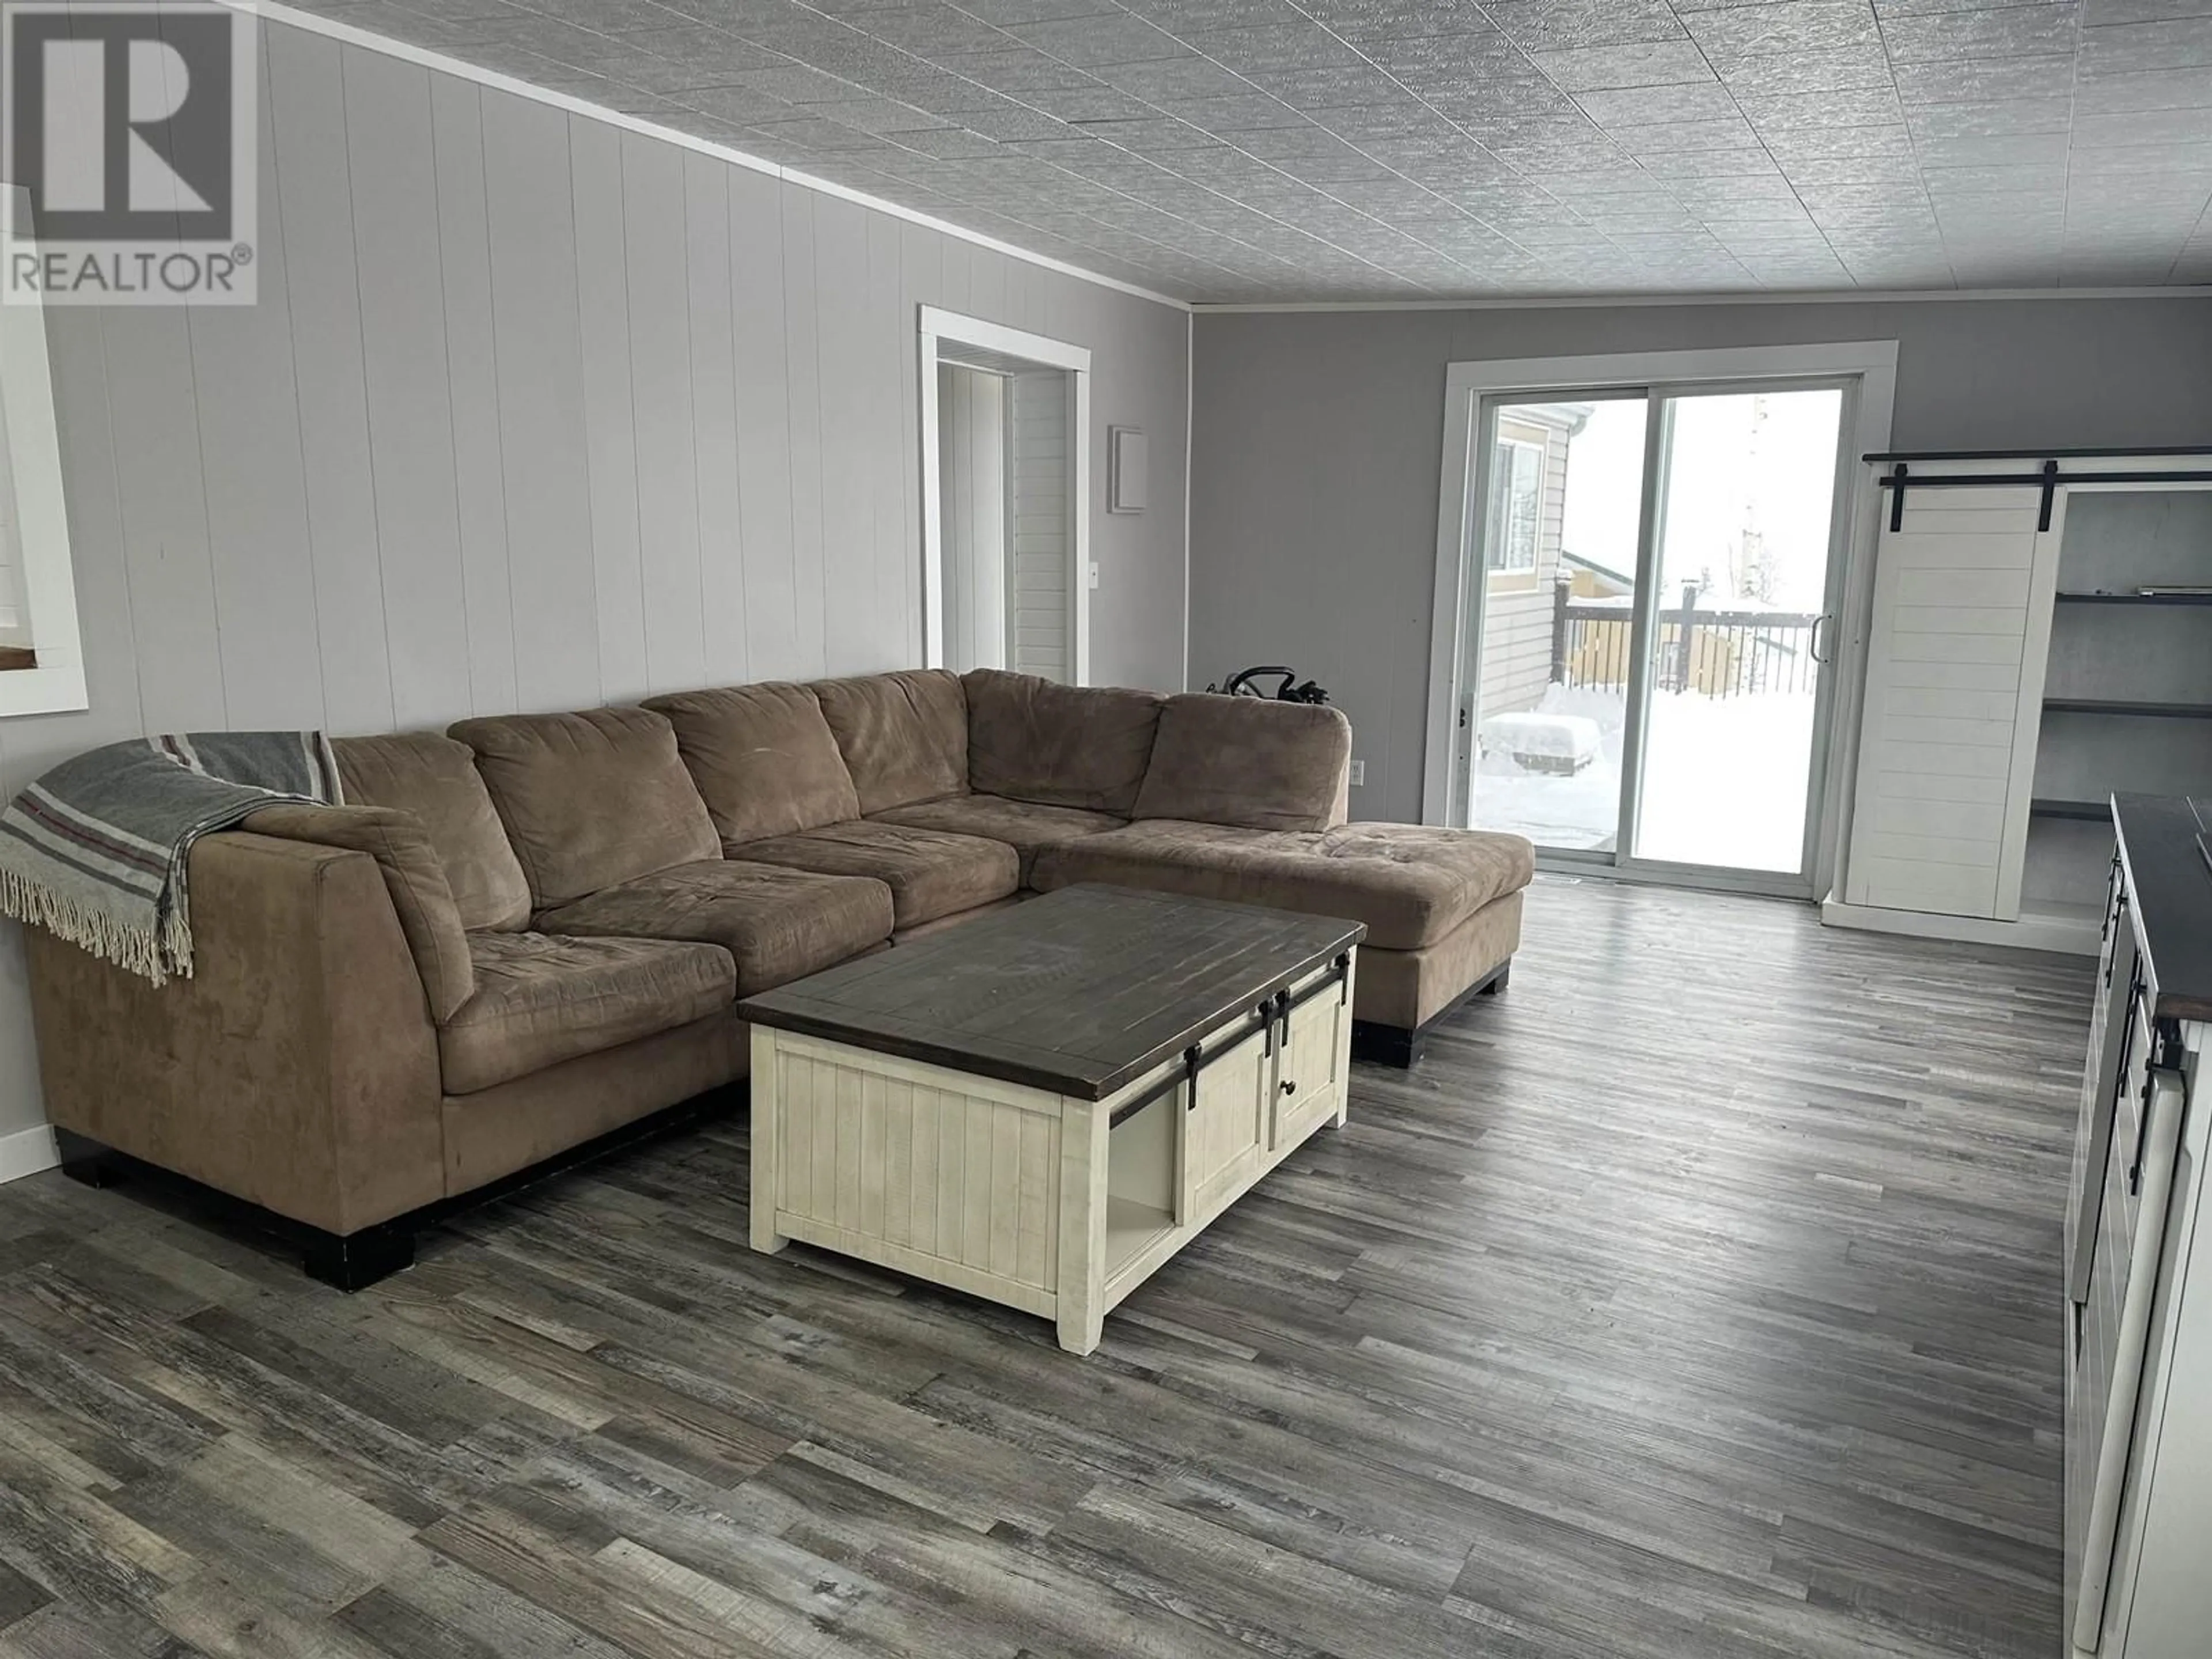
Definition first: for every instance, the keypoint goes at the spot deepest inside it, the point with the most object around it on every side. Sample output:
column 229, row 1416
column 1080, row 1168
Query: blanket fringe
column 153, row 955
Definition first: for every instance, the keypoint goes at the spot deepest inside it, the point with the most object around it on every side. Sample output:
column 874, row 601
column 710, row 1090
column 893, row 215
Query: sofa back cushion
column 413, row 874
column 1250, row 762
column 764, row 758
column 435, row 779
column 1058, row 745
column 904, row 736
column 590, row 799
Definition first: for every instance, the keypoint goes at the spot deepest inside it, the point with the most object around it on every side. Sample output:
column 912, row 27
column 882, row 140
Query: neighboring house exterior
column 1527, row 506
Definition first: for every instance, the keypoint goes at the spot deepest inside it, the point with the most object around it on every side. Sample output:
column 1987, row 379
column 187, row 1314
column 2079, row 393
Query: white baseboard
column 26, row 1152
column 2066, row 934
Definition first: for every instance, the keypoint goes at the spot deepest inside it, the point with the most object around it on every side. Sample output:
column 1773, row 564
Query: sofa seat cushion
column 541, row 1000
column 590, row 799
column 1411, row 884
column 435, row 779
column 903, row 735
column 777, row 923
column 1030, row 739
column 1028, row 827
column 929, row 873
column 1251, row 762
column 764, row 759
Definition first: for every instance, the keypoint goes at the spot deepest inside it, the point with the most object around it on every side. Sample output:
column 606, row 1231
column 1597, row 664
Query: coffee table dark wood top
column 1080, row 992
column 2161, row 841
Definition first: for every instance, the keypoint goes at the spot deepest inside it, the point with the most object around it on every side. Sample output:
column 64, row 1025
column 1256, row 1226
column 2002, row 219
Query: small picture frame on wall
column 1126, row 462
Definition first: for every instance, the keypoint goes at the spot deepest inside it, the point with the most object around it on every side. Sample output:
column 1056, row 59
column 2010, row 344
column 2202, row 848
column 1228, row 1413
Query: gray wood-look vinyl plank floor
column 1697, row 1297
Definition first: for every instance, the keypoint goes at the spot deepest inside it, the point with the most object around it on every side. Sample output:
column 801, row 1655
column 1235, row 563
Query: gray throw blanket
column 94, row 851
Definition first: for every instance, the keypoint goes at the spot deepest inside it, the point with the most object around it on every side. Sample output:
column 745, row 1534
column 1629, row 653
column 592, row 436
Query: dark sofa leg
column 1386, row 1045
column 354, row 1262
column 85, row 1160
column 1393, row 1045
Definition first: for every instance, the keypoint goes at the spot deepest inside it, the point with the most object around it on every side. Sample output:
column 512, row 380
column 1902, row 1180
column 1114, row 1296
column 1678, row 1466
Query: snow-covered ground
column 1724, row 780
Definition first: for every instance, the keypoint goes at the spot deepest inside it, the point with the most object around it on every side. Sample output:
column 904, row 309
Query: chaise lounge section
column 524, row 938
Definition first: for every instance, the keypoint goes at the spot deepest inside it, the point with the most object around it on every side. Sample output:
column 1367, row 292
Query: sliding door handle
column 1819, row 637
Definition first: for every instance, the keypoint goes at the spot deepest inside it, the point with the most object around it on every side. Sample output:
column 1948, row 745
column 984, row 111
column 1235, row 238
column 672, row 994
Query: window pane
column 1548, row 691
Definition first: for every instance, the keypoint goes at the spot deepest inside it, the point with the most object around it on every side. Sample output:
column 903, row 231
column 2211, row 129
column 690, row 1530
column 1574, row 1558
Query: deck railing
column 1720, row 653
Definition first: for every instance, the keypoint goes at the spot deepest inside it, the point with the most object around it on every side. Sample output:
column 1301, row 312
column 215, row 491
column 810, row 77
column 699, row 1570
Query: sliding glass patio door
column 1652, row 575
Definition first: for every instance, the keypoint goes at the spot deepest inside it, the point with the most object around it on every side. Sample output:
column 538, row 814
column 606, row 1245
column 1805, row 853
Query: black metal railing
column 1720, row 653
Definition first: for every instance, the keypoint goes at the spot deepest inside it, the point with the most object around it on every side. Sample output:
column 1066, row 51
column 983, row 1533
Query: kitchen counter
column 2160, row 842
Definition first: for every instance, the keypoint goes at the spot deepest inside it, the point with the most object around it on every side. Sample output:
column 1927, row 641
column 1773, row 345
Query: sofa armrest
column 297, row 1068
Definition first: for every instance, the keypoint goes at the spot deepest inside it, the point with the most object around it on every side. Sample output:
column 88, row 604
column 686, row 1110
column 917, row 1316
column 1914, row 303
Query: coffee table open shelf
column 1044, row 1105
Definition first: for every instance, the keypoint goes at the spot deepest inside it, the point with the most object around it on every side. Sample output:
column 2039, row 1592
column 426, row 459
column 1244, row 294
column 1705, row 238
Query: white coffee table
column 1044, row 1105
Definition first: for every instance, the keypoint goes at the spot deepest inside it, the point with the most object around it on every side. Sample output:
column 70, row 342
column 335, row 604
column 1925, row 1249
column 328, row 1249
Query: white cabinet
column 2038, row 638
column 2138, row 1486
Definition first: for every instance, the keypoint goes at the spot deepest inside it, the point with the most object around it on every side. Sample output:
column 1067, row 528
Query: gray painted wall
column 534, row 413
column 1316, row 437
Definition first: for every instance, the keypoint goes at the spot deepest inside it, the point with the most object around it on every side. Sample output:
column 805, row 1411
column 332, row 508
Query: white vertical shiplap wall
column 971, row 444
column 535, row 412
column 1042, row 606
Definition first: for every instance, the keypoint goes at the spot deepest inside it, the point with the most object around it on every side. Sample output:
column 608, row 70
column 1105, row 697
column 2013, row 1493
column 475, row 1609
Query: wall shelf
column 2089, row 812
column 2135, row 598
column 2199, row 711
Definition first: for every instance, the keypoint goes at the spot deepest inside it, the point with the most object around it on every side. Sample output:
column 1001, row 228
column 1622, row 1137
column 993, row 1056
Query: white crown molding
column 1763, row 297
column 26, row 1152
column 349, row 35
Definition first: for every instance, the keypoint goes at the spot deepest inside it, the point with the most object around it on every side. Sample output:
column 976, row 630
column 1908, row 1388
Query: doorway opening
column 1646, row 576
column 1005, row 479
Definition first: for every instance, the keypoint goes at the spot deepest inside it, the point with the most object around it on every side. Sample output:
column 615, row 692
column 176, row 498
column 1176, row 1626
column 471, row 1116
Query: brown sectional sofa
column 527, row 935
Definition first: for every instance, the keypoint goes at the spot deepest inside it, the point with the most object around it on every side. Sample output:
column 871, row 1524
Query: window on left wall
column 41, row 651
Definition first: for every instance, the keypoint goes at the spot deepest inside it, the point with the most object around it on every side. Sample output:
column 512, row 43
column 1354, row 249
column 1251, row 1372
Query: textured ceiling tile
column 1313, row 90
column 1431, row 59
column 1117, row 37
column 1799, row 145
column 1849, row 67
column 1954, row 80
column 1672, row 138
column 1647, row 106
column 1280, row 46
column 2048, row 149
column 2182, row 44
column 1792, row 26
column 928, row 29
column 2143, row 11
column 1989, row 119
column 2144, row 92
column 1709, row 164
column 1869, row 107
column 1250, row 108
column 1896, row 176
column 797, row 84
column 1175, row 80
column 1018, row 68
column 1547, row 23
column 1600, row 68
column 1006, row 12
column 880, row 116
column 609, row 16
column 2189, row 129
column 2004, row 31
